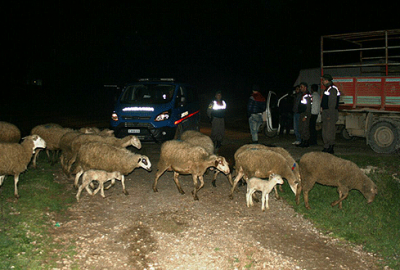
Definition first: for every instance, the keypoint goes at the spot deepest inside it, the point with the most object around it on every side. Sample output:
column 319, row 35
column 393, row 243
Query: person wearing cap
column 329, row 112
column 255, row 108
column 216, row 112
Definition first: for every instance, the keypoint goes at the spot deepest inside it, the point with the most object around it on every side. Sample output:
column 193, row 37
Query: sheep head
column 369, row 190
column 136, row 142
column 222, row 165
column 145, row 163
column 38, row 142
column 277, row 178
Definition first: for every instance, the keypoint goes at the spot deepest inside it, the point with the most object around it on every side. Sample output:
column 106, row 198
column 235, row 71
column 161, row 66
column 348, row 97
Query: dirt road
column 167, row 230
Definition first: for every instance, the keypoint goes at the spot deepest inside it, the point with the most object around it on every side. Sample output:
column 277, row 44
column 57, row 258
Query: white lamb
column 257, row 184
column 101, row 177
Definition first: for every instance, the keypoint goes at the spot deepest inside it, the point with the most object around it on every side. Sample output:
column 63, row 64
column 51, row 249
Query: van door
column 272, row 115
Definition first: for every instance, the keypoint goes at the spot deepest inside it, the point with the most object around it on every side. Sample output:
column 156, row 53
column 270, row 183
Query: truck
column 365, row 66
column 369, row 105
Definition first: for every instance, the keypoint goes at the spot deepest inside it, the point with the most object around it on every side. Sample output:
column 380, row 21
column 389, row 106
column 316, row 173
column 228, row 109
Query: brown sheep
column 184, row 158
column 9, row 132
column 15, row 158
column 329, row 170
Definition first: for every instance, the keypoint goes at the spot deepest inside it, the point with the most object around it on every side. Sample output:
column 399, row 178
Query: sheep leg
column 35, row 157
column 276, row 193
column 111, row 184
column 238, row 177
column 16, row 179
column 77, row 178
column 305, row 195
column 215, row 178
column 178, row 185
column 298, row 192
column 341, row 198
column 158, row 174
column 123, row 185
column 249, row 197
column 265, row 199
column 195, row 189
column 81, row 187
column 2, row 179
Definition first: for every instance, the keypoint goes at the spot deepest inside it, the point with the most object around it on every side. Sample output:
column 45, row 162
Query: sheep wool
column 109, row 158
column 9, row 132
column 184, row 158
column 261, row 163
column 327, row 169
column 16, row 157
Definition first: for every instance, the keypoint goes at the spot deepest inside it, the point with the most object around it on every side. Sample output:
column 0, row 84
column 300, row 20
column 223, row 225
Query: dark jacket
column 256, row 104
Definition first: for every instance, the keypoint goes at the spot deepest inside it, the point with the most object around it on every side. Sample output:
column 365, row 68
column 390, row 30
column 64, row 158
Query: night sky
column 75, row 49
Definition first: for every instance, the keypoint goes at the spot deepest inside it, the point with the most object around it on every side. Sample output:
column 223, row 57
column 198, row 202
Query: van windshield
column 148, row 93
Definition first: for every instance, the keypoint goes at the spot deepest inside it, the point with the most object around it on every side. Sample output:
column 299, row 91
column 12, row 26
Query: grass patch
column 25, row 242
column 375, row 226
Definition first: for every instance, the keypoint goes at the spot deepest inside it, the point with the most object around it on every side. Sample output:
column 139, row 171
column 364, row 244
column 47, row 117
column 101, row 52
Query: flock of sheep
column 98, row 156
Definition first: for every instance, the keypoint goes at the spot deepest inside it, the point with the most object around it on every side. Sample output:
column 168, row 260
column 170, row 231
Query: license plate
column 134, row 130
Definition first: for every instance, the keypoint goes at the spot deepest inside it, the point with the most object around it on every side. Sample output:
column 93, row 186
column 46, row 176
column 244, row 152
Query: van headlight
column 114, row 116
column 162, row 116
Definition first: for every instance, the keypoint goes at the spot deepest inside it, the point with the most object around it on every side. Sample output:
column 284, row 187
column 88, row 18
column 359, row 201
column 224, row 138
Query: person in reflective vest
column 305, row 115
column 216, row 112
column 329, row 113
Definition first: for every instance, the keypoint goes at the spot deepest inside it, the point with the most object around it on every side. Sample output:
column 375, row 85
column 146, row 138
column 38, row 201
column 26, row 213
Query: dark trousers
column 313, row 131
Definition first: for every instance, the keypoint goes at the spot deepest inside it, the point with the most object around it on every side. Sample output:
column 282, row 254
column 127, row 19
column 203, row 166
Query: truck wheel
column 383, row 137
column 345, row 134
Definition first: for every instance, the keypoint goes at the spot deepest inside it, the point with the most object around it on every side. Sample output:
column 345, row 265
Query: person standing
column 216, row 112
column 315, row 110
column 296, row 115
column 304, row 109
column 330, row 113
column 255, row 108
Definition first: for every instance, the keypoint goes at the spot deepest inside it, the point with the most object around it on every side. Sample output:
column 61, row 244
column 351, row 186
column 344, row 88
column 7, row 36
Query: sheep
column 51, row 133
column 257, row 162
column 99, row 176
column 81, row 139
column 184, row 158
column 15, row 158
column 289, row 159
column 66, row 144
column 9, row 132
column 103, row 156
column 256, row 184
column 199, row 139
column 327, row 169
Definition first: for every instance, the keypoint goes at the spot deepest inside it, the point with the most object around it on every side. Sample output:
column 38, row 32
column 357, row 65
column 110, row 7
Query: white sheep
column 101, row 177
column 199, row 139
column 9, row 132
column 184, row 158
column 256, row 184
column 261, row 163
column 103, row 156
column 16, row 157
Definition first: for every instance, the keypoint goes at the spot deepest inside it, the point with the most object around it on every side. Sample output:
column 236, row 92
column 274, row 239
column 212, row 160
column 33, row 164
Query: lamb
column 327, row 169
column 199, row 139
column 103, row 156
column 256, row 184
column 51, row 133
column 16, row 157
column 261, row 163
column 289, row 159
column 99, row 176
column 81, row 139
column 184, row 158
column 9, row 132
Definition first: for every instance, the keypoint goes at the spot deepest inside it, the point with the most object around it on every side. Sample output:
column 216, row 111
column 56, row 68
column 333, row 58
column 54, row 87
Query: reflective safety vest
column 304, row 99
column 325, row 97
column 218, row 110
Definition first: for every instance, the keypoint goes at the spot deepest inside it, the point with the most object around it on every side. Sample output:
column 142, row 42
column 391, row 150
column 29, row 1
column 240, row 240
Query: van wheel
column 383, row 137
column 345, row 134
column 270, row 133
